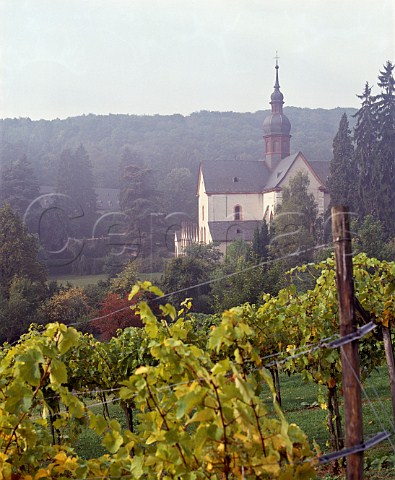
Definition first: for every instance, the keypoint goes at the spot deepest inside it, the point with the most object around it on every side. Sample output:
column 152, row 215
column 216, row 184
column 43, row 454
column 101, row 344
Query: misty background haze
column 61, row 59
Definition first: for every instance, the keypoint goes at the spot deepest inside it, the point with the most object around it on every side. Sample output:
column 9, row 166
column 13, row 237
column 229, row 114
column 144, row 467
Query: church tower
column 276, row 128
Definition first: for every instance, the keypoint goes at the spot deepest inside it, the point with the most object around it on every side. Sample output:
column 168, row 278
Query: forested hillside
column 160, row 142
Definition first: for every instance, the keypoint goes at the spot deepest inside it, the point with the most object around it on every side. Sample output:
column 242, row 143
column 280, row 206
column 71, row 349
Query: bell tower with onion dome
column 276, row 128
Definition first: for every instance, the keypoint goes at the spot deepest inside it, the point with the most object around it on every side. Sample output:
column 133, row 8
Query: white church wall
column 203, row 211
column 269, row 204
column 314, row 187
column 223, row 206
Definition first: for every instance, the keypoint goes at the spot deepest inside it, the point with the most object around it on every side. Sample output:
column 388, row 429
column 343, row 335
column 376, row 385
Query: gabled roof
column 230, row 231
column 237, row 176
column 280, row 171
column 321, row 169
column 234, row 176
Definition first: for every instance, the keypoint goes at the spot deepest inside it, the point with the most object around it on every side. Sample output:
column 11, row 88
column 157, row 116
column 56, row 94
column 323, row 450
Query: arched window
column 275, row 146
column 202, row 212
column 201, row 234
column 237, row 212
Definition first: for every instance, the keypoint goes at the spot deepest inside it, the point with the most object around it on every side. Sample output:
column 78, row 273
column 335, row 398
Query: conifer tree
column 75, row 179
column 365, row 138
column 19, row 185
column 385, row 103
column 139, row 200
column 342, row 173
column 260, row 242
column 374, row 156
column 385, row 149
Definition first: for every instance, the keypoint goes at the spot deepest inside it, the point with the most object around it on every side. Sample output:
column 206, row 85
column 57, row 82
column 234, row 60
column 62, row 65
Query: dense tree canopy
column 190, row 276
column 22, row 276
column 385, row 150
column 19, row 185
column 75, row 179
column 296, row 223
column 238, row 279
column 374, row 138
column 161, row 142
column 18, row 251
column 115, row 314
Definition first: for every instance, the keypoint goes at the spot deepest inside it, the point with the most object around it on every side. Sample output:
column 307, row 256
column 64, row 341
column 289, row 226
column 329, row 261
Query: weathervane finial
column 276, row 58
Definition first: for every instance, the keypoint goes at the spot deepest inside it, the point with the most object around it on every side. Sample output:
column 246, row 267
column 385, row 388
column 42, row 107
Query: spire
column 276, row 127
column 277, row 85
column 277, row 98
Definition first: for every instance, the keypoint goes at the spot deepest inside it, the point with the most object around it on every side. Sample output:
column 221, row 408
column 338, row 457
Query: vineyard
column 201, row 396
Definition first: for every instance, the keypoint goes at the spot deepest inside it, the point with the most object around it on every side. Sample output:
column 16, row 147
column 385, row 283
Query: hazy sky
column 63, row 58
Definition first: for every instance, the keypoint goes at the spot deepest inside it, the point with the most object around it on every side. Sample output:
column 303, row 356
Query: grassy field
column 78, row 280
column 84, row 280
column 300, row 407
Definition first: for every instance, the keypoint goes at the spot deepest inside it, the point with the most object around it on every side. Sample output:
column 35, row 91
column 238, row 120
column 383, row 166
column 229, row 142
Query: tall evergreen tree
column 341, row 182
column 385, row 148
column 385, row 103
column 375, row 151
column 178, row 185
column 260, row 242
column 139, row 200
column 365, row 138
column 75, row 179
column 19, row 185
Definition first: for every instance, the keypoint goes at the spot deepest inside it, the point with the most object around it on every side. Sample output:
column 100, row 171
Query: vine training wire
column 208, row 282
column 321, row 344
column 202, row 284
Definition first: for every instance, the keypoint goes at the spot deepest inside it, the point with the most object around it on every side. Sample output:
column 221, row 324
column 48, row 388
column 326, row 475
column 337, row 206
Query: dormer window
column 235, row 179
column 237, row 213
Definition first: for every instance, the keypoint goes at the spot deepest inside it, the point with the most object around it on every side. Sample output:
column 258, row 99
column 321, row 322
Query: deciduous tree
column 117, row 315
column 67, row 306
column 189, row 276
column 296, row 223
column 18, row 251
column 22, row 276
column 238, row 279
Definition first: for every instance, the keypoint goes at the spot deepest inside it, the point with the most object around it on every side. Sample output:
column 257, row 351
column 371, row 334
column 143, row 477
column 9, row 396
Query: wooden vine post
column 349, row 351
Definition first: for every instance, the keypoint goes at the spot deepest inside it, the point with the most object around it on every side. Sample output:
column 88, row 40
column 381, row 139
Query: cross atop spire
column 277, row 98
column 276, row 127
column 277, row 84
